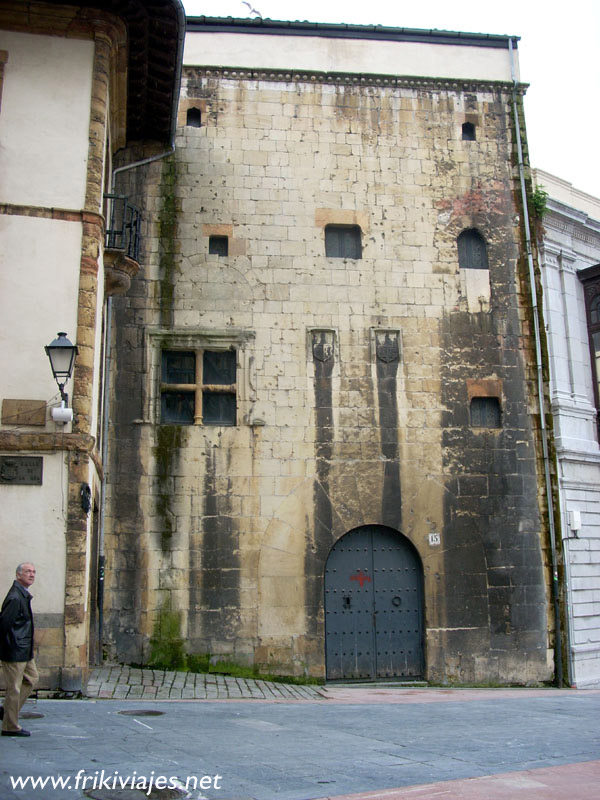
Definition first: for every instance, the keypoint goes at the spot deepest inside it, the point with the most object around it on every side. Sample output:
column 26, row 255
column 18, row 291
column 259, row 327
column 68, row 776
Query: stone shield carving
column 387, row 346
column 322, row 345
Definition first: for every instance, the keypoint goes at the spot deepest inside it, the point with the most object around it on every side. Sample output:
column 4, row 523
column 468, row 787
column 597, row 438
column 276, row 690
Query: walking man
column 16, row 650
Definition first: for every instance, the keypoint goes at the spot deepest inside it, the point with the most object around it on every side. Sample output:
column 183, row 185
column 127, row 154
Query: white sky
column 558, row 53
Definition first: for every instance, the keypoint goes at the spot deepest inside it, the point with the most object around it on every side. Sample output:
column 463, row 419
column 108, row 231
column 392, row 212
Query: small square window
column 468, row 132
column 485, row 412
column 218, row 245
column 343, row 241
column 193, row 118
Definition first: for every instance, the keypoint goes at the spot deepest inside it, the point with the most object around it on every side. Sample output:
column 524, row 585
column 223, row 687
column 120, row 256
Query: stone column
column 74, row 672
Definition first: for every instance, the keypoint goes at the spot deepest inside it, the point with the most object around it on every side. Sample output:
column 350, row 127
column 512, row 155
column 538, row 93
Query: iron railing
column 123, row 230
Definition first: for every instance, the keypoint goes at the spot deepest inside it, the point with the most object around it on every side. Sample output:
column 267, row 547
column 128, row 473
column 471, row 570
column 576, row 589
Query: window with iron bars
column 198, row 387
column 124, row 225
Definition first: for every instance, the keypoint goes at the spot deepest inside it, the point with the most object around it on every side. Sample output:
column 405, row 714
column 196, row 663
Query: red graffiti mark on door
column 361, row 578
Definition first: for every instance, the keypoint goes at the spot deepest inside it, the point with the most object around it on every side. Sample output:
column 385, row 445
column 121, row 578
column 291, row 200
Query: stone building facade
column 79, row 81
column 570, row 260
column 325, row 454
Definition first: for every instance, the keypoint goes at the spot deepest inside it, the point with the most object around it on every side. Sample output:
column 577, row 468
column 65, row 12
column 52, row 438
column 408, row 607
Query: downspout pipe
column 105, row 402
column 540, row 376
column 139, row 163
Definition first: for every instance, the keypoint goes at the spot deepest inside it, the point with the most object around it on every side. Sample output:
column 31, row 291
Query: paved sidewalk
column 128, row 683
column 272, row 741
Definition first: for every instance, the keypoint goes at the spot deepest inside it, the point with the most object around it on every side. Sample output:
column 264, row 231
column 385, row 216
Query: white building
column 570, row 255
column 79, row 82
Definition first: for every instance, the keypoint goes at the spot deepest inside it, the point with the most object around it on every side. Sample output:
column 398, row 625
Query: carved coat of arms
column 322, row 345
column 387, row 346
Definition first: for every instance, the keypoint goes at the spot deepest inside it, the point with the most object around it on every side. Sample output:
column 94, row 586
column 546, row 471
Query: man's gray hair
column 19, row 569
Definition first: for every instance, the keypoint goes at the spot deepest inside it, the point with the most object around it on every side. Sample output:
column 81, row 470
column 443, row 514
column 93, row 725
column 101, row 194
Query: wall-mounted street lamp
column 62, row 358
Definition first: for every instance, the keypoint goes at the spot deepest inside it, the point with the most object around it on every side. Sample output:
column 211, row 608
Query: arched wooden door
column 374, row 606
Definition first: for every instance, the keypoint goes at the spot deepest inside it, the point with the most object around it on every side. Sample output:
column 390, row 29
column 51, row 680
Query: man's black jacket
column 16, row 625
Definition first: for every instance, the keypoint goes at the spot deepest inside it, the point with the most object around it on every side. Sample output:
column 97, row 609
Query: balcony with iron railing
column 121, row 243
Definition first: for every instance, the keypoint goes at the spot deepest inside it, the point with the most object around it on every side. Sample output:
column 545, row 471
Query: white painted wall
column 39, row 281
column 44, row 124
column 39, row 536
column 266, row 51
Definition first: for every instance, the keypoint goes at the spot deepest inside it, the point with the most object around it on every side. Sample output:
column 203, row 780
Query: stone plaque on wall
column 21, row 470
column 23, row 412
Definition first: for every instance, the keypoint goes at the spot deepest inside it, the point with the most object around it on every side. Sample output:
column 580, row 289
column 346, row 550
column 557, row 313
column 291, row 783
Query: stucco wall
column 45, row 101
column 45, row 237
column 38, row 535
column 39, row 281
column 270, row 51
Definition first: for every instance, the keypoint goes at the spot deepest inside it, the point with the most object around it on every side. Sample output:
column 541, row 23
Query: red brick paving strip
column 568, row 782
column 375, row 695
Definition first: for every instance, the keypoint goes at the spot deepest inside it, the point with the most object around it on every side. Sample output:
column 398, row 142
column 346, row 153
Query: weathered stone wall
column 218, row 536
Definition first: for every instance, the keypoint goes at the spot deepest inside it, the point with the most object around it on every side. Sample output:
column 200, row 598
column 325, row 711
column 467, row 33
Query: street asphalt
column 254, row 741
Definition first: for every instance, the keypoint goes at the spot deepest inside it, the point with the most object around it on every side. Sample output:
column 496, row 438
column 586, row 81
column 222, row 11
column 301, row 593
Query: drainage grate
column 144, row 712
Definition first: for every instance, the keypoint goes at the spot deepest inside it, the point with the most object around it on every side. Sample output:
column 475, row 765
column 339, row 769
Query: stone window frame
column 471, row 119
column 590, row 280
column 187, row 103
column 340, row 217
column 235, row 246
column 159, row 340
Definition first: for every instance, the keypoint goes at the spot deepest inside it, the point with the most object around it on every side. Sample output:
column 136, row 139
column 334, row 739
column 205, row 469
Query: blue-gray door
column 373, row 606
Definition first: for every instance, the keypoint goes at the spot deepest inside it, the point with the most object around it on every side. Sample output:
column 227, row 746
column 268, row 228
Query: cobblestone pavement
column 129, row 683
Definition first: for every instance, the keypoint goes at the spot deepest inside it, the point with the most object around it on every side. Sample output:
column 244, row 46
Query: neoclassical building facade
column 570, row 259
